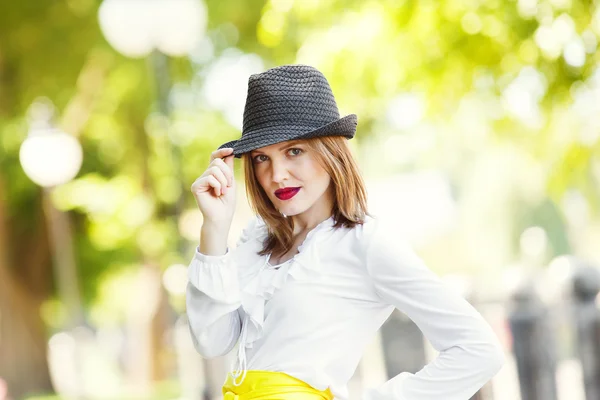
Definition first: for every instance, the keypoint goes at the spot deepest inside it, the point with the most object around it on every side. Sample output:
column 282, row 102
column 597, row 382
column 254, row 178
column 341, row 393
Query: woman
column 314, row 275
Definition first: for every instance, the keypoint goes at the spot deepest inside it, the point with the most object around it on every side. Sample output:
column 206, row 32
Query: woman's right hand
column 215, row 189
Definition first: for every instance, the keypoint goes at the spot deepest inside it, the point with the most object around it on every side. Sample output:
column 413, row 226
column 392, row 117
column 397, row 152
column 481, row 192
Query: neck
column 302, row 225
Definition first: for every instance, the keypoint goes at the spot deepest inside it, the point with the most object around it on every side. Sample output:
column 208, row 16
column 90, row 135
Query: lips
column 287, row 193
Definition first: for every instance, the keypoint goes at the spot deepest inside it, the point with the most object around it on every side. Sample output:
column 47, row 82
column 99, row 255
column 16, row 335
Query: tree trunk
column 23, row 362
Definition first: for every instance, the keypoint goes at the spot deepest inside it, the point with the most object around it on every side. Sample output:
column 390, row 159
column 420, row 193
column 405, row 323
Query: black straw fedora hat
column 289, row 102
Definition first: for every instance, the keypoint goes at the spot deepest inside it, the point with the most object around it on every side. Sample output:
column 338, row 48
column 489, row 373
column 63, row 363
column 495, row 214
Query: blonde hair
column 349, row 193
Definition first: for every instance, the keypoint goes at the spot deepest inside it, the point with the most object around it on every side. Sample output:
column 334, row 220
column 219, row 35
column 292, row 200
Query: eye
column 300, row 151
column 296, row 152
column 257, row 159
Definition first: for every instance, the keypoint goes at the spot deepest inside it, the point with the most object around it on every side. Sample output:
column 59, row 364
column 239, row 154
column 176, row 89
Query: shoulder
column 385, row 246
column 378, row 231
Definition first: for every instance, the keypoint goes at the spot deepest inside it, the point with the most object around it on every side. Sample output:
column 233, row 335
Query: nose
column 279, row 171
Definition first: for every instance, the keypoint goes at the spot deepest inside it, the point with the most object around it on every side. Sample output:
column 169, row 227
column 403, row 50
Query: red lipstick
column 286, row 193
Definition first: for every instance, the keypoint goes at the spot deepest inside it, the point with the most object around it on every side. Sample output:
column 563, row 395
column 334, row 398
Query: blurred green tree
column 491, row 74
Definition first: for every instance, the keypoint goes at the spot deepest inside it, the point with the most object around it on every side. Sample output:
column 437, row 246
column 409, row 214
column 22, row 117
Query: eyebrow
column 285, row 146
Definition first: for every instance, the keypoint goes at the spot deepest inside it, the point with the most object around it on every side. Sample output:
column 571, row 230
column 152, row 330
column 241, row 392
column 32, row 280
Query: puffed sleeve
column 470, row 353
column 213, row 298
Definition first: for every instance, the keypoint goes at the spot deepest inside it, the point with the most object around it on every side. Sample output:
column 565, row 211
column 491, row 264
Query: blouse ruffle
column 228, row 279
column 262, row 281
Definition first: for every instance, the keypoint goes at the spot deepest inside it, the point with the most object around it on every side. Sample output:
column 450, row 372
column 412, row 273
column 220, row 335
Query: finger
column 195, row 184
column 201, row 184
column 220, row 175
column 226, row 168
column 215, row 184
column 220, row 153
column 229, row 162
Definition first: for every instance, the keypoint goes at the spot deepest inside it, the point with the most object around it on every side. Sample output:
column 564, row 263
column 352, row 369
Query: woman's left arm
column 470, row 353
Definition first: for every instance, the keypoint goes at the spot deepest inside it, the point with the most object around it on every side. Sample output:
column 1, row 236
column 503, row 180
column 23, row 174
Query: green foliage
column 124, row 201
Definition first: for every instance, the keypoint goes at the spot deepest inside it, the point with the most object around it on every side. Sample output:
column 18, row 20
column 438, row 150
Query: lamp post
column 157, row 28
column 51, row 157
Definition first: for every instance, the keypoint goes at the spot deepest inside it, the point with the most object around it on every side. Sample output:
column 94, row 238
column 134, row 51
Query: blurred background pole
column 165, row 28
column 51, row 158
column 159, row 63
column 403, row 345
column 586, row 285
column 404, row 349
column 160, row 67
column 533, row 346
column 61, row 239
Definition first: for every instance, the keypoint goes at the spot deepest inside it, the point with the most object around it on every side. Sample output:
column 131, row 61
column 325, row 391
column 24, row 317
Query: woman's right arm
column 215, row 326
column 213, row 296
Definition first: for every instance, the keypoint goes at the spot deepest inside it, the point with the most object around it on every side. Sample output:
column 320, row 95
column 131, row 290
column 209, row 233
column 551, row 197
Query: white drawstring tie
column 239, row 366
column 238, row 369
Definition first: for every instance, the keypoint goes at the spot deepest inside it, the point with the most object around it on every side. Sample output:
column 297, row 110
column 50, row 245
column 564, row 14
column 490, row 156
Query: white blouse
column 314, row 315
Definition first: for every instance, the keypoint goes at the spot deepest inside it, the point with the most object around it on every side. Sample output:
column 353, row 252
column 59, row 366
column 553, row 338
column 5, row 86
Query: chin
column 288, row 213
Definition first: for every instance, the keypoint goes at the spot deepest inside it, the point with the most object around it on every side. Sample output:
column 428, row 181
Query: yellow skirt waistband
column 269, row 385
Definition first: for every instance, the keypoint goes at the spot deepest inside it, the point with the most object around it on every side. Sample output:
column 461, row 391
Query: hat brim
column 267, row 136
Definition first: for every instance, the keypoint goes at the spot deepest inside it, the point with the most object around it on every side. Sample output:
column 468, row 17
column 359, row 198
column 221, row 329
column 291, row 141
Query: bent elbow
column 497, row 360
column 209, row 342
column 205, row 347
column 486, row 357
column 492, row 358
column 489, row 352
column 208, row 352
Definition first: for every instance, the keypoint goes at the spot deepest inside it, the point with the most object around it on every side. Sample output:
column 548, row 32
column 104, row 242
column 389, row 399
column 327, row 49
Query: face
column 292, row 164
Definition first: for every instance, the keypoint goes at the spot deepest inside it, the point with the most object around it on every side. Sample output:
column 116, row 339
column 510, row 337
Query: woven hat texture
column 289, row 102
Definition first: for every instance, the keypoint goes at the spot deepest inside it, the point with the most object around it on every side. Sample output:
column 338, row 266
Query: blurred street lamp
column 50, row 158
